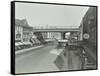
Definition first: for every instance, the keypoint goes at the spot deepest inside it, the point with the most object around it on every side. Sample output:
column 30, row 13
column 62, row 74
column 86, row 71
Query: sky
column 51, row 15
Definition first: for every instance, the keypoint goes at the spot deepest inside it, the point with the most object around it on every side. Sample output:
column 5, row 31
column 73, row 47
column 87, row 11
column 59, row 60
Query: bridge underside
column 56, row 34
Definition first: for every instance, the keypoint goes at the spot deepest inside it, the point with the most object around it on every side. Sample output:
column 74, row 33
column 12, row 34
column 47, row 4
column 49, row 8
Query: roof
column 22, row 23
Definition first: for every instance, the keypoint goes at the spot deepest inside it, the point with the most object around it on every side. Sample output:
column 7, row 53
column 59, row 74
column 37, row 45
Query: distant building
column 56, row 35
column 44, row 34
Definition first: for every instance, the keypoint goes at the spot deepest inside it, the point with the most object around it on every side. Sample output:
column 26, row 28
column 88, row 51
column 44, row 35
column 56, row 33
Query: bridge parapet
column 56, row 27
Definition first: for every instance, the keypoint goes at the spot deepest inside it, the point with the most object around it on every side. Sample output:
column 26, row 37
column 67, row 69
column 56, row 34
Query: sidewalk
column 28, row 49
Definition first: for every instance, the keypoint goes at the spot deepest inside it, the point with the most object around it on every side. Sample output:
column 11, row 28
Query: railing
column 56, row 27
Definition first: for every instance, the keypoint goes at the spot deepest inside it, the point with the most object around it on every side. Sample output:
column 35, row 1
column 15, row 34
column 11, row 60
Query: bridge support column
column 62, row 35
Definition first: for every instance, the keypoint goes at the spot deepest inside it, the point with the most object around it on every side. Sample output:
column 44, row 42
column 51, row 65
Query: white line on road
column 56, row 52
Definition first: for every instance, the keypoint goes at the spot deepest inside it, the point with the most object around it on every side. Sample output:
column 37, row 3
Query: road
column 43, row 60
column 36, row 60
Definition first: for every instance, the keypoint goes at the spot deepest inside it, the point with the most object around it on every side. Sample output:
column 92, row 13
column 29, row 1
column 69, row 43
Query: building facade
column 89, row 43
column 23, row 32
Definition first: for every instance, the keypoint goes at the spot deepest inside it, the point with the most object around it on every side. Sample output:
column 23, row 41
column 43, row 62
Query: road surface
column 36, row 60
column 43, row 60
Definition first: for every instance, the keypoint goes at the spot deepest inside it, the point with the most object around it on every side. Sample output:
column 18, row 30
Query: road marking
column 56, row 52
